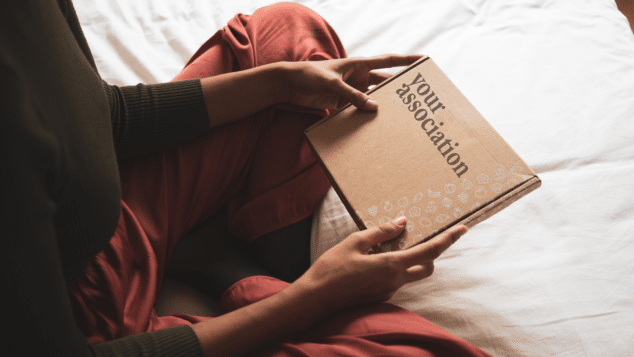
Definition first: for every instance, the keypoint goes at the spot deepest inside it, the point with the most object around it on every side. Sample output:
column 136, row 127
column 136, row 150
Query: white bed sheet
column 552, row 274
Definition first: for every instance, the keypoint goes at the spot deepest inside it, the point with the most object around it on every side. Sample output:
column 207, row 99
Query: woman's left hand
column 329, row 84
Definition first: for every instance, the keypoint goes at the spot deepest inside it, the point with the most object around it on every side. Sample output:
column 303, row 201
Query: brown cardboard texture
column 426, row 154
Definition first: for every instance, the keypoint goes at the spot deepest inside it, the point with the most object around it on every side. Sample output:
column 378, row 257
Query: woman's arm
column 235, row 95
column 314, row 84
column 344, row 276
column 150, row 118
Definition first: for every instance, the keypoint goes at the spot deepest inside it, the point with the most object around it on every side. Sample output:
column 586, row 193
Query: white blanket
column 554, row 273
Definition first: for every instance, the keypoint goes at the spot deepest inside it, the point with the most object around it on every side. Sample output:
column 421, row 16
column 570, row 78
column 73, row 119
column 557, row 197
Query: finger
column 388, row 61
column 434, row 247
column 377, row 77
column 350, row 94
column 379, row 234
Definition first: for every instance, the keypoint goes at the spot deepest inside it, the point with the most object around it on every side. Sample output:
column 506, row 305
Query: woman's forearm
column 232, row 96
column 250, row 328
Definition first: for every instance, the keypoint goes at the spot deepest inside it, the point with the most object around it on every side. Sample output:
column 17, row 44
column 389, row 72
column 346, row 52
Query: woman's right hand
column 348, row 275
column 328, row 84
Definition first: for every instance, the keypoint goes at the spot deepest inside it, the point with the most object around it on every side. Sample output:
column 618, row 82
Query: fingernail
column 460, row 233
column 400, row 221
column 371, row 104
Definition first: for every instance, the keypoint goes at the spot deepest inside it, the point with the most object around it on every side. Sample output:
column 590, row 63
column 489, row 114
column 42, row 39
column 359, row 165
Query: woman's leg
column 282, row 161
column 260, row 168
column 276, row 33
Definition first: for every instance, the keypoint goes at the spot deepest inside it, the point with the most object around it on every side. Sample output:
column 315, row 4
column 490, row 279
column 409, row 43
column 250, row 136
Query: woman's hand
column 315, row 84
column 331, row 83
column 347, row 275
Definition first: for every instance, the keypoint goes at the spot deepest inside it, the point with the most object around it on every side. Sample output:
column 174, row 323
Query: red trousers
column 262, row 169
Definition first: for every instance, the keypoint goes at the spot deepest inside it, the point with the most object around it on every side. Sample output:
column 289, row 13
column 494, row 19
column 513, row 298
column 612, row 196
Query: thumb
column 354, row 96
column 382, row 233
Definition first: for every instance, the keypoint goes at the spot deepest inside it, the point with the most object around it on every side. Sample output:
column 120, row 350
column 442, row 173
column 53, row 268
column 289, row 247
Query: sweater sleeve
column 150, row 118
column 173, row 341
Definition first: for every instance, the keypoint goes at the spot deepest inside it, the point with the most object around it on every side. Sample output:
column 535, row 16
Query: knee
column 291, row 13
column 302, row 28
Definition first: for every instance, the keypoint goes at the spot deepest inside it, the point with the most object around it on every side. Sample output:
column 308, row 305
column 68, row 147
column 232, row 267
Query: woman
column 100, row 182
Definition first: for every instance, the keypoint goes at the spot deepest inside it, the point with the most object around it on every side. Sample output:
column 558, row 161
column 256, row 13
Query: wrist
column 236, row 95
column 279, row 72
column 308, row 300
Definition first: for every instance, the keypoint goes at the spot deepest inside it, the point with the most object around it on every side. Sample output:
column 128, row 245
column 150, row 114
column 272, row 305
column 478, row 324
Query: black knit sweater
column 62, row 131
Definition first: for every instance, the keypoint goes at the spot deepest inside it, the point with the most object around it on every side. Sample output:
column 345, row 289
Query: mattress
column 553, row 274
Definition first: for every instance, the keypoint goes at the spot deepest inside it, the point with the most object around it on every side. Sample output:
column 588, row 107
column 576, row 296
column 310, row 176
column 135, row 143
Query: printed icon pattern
column 414, row 211
column 430, row 209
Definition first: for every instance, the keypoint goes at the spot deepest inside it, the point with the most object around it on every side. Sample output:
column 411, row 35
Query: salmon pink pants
column 263, row 171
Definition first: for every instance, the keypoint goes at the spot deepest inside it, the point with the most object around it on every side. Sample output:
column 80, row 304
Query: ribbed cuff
column 158, row 116
column 174, row 341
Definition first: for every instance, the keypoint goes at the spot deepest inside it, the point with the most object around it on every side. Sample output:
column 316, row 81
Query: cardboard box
column 426, row 154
